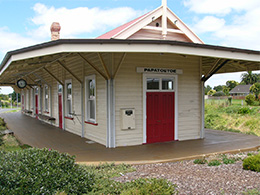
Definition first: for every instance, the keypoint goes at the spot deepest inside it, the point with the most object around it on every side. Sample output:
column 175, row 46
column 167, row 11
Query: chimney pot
column 55, row 31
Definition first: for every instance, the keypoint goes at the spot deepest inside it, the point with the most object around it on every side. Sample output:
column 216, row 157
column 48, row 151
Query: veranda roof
column 214, row 59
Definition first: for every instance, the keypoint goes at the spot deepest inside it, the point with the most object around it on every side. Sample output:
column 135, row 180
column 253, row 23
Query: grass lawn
column 16, row 110
column 9, row 142
column 237, row 118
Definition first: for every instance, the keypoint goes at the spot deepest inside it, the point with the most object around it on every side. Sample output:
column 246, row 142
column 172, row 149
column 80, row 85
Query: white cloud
column 81, row 20
column 74, row 23
column 243, row 32
column 209, row 24
column 240, row 28
column 11, row 41
column 6, row 90
column 222, row 7
column 233, row 23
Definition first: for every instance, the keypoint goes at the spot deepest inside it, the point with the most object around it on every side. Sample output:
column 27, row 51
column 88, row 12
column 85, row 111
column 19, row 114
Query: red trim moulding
column 90, row 123
column 70, row 118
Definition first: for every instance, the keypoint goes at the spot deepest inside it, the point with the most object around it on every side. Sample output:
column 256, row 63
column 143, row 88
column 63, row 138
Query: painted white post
column 82, row 110
column 17, row 100
column 164, row 19
column 111, row 141
column 202, row 132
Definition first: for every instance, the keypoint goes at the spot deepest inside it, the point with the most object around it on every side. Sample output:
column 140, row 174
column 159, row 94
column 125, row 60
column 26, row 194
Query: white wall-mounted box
column 127, row 118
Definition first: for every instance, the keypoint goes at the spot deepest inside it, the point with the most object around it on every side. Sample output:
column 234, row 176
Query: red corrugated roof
column 113, row 32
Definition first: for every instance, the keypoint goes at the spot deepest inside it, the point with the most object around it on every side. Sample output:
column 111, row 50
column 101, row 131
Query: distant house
column 240, row 91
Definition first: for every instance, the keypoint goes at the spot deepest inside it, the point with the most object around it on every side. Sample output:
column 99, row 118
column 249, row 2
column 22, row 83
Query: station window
column 90, row 108
column 68, row 98
column 160, row 84
column 153, row 83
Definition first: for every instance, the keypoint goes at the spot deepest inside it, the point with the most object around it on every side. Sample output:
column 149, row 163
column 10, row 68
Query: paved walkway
column 38, row 134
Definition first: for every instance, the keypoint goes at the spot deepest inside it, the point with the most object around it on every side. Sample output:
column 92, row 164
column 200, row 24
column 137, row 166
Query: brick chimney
column 55, row 31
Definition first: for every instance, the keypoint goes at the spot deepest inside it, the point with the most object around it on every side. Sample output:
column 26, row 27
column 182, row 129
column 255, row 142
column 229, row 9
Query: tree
column 231, row 84
column 226, row 90
column 211, row 92
column 219, row 93
column 4, row 97
column 250, row 78
column 255, row 88
column 219, row 88
column 207, row 89
column 14, row 96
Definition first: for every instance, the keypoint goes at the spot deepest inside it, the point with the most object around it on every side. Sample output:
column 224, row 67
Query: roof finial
column 164, row 3
column 164, row 19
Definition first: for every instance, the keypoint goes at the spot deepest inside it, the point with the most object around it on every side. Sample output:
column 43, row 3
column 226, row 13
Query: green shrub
column 109, row 170
column 200, row 161
column 239, row 110
column 252, row 163
column 232, row 109
column 1, row 140
column 228, row 160
column 214, row 163
column 244, row 110
column 136, row 187
column 211, row 119
column 219, row 93
column 149, row 186
column 2, row 124
column 42, row 171
column 252, row 192
column 250, row 99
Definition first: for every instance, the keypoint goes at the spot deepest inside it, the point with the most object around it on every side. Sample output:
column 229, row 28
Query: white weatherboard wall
column 81, row 69
column 129, row 94
column 97, row 132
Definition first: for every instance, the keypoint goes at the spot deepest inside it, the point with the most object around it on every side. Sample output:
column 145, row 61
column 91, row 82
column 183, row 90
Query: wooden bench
column 27, row 111
column 45, row 117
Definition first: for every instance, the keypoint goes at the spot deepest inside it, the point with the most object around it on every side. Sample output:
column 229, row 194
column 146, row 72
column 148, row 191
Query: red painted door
column 36, row 106
column 60, row 110
column 160, row 116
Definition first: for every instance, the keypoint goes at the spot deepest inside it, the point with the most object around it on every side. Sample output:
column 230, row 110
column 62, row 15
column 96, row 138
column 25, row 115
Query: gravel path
column 200, row 179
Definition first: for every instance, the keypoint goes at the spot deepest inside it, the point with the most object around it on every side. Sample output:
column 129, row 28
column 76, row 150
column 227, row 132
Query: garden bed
column 192, row 178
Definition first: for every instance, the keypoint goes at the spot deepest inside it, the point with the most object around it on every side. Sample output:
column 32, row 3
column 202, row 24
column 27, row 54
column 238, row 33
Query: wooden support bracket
column 212, row 68
column 119, row 65
column 93, row 66
column 68, row 70
column 104, row 65
column 59, row 81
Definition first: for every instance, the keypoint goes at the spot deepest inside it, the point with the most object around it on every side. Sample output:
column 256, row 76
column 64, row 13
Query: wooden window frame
column 87, row 99
column 67, row 113
column 46, row 99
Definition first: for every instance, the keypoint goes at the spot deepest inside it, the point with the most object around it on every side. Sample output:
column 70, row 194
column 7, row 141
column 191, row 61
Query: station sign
column 158, row 70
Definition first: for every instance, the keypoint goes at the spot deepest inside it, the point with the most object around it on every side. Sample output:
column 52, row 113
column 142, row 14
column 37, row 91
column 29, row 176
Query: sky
column 233, row 23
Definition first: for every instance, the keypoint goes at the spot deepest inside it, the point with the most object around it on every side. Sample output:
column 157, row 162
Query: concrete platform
column 39, row 134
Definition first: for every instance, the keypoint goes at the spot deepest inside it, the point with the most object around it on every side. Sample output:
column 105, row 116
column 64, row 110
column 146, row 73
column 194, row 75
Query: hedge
column 42, row 171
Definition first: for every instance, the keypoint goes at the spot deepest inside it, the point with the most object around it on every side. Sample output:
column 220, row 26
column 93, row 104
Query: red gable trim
column 110, row 34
